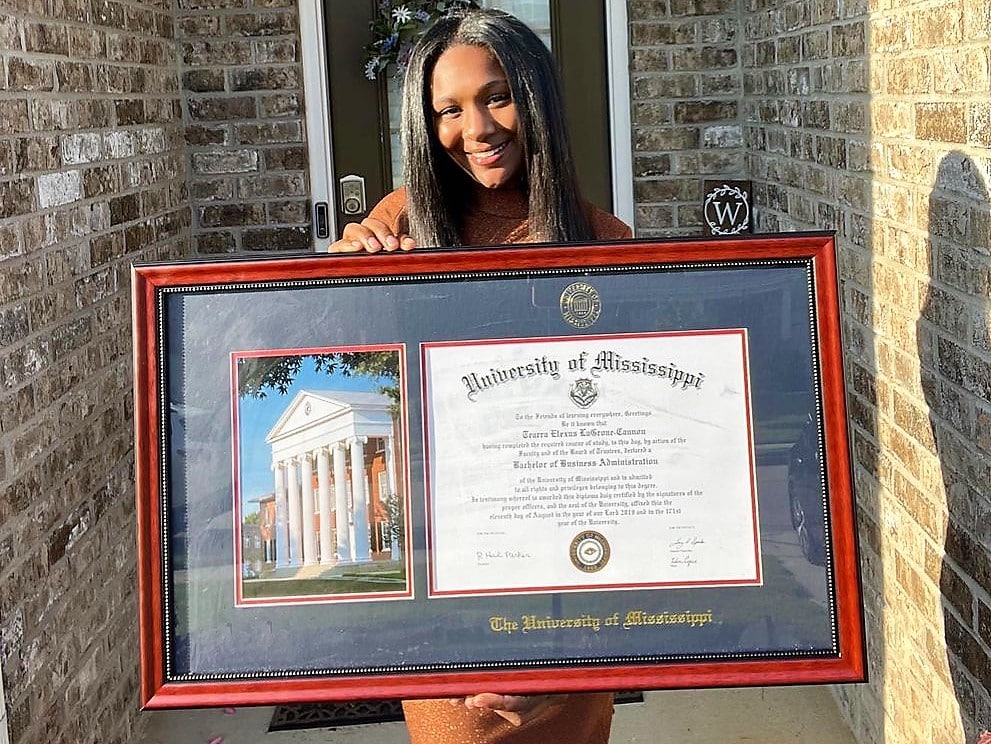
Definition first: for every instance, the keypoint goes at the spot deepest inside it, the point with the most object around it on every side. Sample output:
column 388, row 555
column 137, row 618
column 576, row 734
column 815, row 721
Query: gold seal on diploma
column 589, row 551
column 580, row 304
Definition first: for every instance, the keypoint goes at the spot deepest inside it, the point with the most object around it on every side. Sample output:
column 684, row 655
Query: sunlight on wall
column 929, row 82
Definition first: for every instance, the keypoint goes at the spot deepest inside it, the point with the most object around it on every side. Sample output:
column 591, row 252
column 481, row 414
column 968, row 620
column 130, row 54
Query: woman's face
column 475, row 115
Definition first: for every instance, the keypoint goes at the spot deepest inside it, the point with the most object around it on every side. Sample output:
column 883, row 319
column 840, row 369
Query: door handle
column 352, row 190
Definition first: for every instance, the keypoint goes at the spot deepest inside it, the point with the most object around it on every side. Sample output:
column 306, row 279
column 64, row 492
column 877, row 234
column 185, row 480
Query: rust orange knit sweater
column 496, row 217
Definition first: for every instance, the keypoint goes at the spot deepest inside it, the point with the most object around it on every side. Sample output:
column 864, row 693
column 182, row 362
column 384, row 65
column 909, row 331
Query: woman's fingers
column 370, row 235
column 367, row 235
column 517, row 709
column 344, row 246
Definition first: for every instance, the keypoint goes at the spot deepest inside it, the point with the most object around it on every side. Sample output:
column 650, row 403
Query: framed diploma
column 522, row 469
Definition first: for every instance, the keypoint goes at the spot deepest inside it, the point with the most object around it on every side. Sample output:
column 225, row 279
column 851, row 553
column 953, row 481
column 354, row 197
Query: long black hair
column 436, row 187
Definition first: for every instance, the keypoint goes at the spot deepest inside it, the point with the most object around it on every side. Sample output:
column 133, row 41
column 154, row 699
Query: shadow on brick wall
column 954, row 351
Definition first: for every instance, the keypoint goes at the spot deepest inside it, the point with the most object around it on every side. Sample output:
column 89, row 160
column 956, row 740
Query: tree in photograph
column 257, row 376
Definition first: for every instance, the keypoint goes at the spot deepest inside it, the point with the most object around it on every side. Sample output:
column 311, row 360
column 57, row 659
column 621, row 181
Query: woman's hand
column 517, row 709
column 370, row 235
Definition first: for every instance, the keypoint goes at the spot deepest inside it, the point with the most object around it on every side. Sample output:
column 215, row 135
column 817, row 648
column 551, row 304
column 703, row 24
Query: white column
column 358, row 496
column 309, row 536
column 390, row 472
column 341, row 503
column 295, row 526
column 281, row 516
column 323, row 497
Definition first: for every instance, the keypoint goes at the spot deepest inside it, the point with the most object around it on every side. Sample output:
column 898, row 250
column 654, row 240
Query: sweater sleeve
column 606, row 226
column 392, row 211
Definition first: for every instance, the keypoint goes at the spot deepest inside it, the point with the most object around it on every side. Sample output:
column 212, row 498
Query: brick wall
column 870, row 119
column 686, row 87
column 874, row 120
column 91, row 178
column 244, row 124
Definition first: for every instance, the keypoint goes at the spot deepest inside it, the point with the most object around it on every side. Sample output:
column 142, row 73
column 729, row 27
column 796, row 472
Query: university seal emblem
column 589, row 551
column 580, row 304
column 584, row 392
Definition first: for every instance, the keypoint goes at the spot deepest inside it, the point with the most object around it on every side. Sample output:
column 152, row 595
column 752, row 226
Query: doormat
column 337, row 715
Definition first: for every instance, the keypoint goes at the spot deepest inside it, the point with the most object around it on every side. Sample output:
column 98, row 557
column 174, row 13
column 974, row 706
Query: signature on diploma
column 686, row 544
column 486, row 557
column 683, row 550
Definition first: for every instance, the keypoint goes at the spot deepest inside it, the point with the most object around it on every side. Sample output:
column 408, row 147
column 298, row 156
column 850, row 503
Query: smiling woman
column 487, row 152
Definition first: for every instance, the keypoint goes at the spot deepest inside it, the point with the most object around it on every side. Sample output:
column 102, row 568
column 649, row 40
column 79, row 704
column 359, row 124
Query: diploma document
column 590, row 462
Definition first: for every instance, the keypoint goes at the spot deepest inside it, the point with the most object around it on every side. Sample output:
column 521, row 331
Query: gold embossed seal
column 589, row 551
column 580, row 304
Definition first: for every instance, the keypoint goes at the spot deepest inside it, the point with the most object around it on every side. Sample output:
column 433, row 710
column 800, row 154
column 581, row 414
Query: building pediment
column 328, row 410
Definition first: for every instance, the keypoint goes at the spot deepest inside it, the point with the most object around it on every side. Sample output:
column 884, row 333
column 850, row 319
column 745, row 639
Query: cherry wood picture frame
column 367, row 625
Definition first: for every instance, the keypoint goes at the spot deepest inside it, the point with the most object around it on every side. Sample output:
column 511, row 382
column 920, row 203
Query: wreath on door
column 396, row 27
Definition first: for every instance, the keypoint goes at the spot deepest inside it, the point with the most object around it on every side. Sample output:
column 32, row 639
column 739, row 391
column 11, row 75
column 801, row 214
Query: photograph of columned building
column 332, row 523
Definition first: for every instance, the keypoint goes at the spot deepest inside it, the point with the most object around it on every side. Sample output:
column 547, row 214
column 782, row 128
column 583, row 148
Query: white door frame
column 620, row 123
column 318, row 122
column 316, row 94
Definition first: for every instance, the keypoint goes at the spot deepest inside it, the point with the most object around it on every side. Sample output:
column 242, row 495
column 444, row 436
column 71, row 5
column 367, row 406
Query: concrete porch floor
column 771, row 715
